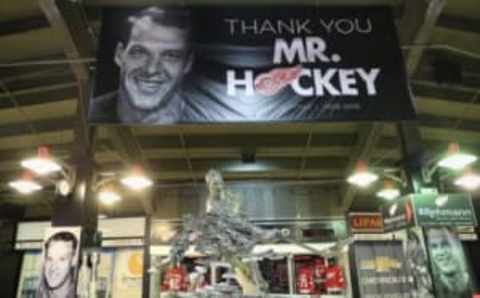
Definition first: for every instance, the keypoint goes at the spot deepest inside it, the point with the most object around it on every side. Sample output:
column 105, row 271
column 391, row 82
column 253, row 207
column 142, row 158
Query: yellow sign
column 135, row 263
column 381, row 264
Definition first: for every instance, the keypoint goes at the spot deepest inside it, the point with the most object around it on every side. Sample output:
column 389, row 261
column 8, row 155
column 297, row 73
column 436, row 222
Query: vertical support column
column 67, row 19
column 80, row 208
column 413, row 155
column 146, row 259
column 415, row 164
column 291, row 274
column 417, row 24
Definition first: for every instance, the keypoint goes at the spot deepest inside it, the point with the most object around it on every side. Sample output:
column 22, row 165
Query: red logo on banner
column 270, row 83
column 408, row 212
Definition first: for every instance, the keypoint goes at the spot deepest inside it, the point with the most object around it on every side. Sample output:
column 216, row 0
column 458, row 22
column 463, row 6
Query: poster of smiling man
column 176, row 64
column 59, row 263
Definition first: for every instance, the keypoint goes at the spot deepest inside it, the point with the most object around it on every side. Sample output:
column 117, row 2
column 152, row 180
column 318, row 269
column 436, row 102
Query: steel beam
column 126, row 145
column 22, row 25
column 237, row 2
column 420, row 18
column 67, row 20
column 416, row 26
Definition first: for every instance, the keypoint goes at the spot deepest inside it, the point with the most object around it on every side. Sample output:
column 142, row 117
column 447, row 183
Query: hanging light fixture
column 108, row 197
column 361, row 176
column 136, row 179
column 469, row 180
column 389, row 191
column 455, row 160
column 26, row 184
column 42, row 164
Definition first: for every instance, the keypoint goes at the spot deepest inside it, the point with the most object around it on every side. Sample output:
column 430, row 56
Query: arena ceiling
column 39, row 94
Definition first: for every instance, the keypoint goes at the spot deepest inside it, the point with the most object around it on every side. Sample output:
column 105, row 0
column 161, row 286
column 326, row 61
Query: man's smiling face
column 153, row 63
column 58, row 263
column 441, row 251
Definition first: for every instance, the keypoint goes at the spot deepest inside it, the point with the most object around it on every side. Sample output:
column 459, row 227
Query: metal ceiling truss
column 416, row 26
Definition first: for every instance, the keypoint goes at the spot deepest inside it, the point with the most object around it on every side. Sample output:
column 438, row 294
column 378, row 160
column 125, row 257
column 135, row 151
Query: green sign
column 443, row 210
column 398, row 215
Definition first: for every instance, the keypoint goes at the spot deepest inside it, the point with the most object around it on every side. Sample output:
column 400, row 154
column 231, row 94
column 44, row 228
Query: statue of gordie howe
column 224, row 234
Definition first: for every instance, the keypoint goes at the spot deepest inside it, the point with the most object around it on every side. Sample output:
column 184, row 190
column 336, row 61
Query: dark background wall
column 10, row 260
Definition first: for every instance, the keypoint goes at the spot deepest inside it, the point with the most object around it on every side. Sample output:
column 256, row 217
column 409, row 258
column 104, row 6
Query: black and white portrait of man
column 59, row 267
column 191, row 64
column 153, row 56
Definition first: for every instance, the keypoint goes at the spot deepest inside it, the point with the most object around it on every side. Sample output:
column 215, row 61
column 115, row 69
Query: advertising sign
column 128, row 274
column 159, row 65
column 361, row 222
column 452, row 275
column 398, row 215
column 429, row 210
column 380, row 269
column 444, row 210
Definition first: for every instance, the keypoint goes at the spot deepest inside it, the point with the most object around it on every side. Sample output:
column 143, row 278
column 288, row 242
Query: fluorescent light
column 137, row 182
column 457, row 161
column 362, row 179
column 469, row 181
column 389, row 193
column 40, row 165
column 25, row 186
column 136, row 179
column 108, row 197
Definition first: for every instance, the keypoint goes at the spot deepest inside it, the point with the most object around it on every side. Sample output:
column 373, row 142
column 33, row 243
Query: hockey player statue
column 224, row 234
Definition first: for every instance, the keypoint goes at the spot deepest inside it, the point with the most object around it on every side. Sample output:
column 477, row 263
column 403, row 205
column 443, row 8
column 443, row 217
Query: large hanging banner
column 380, row 270
column 452, row 275
column 230, row 64
column 59, row 268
